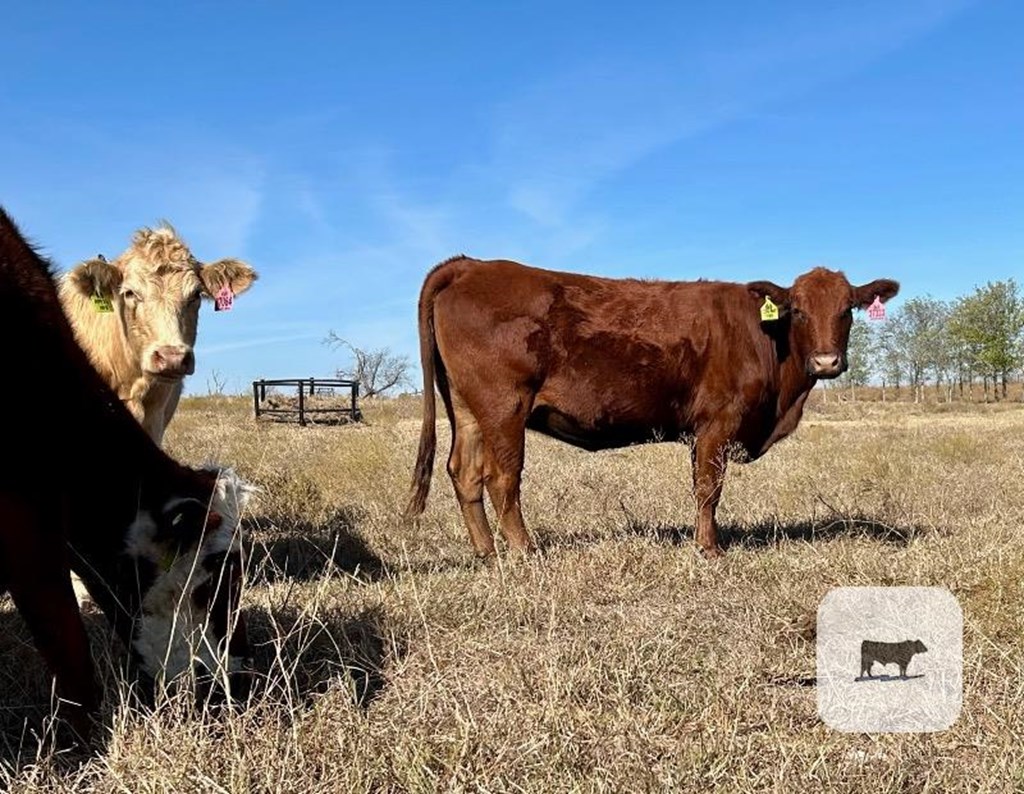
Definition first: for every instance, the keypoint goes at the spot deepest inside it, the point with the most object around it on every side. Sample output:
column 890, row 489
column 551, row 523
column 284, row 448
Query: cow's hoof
column 489, row 560
column 711, row 552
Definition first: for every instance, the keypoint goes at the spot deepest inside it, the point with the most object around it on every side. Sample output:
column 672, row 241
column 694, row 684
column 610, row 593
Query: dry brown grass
column 618, row 660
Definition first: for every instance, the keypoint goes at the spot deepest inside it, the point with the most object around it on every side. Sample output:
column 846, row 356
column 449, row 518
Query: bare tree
column 376, row 371
column 215, row 384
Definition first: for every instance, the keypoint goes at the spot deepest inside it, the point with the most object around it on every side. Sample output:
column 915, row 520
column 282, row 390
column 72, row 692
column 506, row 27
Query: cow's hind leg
column 506, row 443
column 466, row 468
column 504, row 479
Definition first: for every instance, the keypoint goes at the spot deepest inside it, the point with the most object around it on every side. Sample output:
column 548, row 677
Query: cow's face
column 818, row 310
column 188, row 567
column 919, row 647
column 156, row 287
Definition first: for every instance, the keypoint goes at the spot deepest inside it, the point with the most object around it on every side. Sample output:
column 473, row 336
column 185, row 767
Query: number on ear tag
column 876, row 311
column 102, row 305
column 769, row 311
column 224, row 299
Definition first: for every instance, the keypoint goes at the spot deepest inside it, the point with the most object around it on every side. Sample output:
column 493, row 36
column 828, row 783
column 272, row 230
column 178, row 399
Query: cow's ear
column 96, row 277
column 779, row 295
column 233, row 273
column 882, row 288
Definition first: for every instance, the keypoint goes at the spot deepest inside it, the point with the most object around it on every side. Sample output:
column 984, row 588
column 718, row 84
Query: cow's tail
column 433, row 370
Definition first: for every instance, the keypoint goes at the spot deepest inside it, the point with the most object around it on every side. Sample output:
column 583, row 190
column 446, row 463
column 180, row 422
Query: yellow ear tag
column 101, row 304
column 769, row 311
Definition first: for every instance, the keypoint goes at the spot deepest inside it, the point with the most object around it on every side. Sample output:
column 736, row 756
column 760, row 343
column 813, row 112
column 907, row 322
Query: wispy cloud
column 242, row 344
column 217, row 210
column 556, row 140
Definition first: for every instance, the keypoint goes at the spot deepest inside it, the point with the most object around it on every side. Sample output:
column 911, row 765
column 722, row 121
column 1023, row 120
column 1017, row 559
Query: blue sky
column 344, row 148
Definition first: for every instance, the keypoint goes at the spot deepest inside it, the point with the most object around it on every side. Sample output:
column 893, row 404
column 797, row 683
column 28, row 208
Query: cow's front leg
column 40, row 585
column 708, row 458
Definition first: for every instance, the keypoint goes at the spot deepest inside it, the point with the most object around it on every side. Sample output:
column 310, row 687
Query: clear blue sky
column 345, row 148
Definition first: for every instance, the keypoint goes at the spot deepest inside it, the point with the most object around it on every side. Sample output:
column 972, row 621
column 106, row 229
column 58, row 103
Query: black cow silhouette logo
column 898, row 653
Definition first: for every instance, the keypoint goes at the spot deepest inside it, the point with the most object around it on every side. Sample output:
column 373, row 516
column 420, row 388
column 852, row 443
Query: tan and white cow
column 136, row 317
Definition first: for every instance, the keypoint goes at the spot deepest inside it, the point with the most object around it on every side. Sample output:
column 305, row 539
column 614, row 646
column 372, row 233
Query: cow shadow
column 308, row 551
column 299, row 655
column 881, row 679
column 772, row 533
column 803, row 681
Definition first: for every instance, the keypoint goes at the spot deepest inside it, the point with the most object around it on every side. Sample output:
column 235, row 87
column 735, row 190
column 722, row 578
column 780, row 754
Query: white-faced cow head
column 187, row 561
column 155, row 288
column 818, row 313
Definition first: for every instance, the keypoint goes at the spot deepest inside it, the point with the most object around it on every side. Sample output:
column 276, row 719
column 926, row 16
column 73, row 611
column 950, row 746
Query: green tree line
column 967, row 348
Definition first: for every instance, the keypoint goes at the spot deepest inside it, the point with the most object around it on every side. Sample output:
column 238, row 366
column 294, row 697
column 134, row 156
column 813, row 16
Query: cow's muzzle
column 826, row 365
column 171, row 362
column 220, row 689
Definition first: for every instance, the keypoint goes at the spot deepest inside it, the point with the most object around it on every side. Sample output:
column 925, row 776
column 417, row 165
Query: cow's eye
column 798, row 314
column 131, row 296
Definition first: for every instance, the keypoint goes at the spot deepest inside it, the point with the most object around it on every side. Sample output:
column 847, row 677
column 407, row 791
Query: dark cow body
column 79, row 483
column 898, row 653
column 602, row 363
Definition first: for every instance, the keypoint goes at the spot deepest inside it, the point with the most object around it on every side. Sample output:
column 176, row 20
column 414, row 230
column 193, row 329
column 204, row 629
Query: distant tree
column 940, row 355
column 919, row 333
column 991, row 323
column 859, row 355
column 989, row 327
column 964, row 347
column 376, row 371
column 892, row 359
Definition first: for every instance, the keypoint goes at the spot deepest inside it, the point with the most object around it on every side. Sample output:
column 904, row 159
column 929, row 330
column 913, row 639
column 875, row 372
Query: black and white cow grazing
column 84, row 488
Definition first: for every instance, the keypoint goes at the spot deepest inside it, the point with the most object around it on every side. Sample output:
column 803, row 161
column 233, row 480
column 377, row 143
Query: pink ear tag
column 223, row 300
column 876, row 311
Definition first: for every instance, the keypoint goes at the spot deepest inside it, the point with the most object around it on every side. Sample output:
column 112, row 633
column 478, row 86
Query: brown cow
column 143, row 343
column 83, row 487
column 602, row 363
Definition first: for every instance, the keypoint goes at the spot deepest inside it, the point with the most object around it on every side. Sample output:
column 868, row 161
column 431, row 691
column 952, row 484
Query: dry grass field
column 617, row 660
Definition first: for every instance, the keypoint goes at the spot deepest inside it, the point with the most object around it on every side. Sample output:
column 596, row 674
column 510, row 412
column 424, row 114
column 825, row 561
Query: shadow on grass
column 307, row 551
column 299, row 655
column 774, row 533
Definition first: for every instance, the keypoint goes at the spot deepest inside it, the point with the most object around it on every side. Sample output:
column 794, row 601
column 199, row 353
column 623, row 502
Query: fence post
column 255, row 399
column 355, row 395
column 302, row 403
column 312, row 386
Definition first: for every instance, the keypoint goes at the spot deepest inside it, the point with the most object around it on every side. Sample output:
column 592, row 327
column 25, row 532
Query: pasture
column 618, row 660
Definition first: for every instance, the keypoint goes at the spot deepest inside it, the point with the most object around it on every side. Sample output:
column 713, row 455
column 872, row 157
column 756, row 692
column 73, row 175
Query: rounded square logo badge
column 890, row 659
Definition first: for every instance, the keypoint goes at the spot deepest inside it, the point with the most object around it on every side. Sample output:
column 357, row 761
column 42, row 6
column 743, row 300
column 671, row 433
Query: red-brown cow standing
column 602, row 363
column 83, row 488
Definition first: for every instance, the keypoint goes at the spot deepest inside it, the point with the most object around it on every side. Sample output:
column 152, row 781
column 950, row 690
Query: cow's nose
column 174, row 360
column 826, row 364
